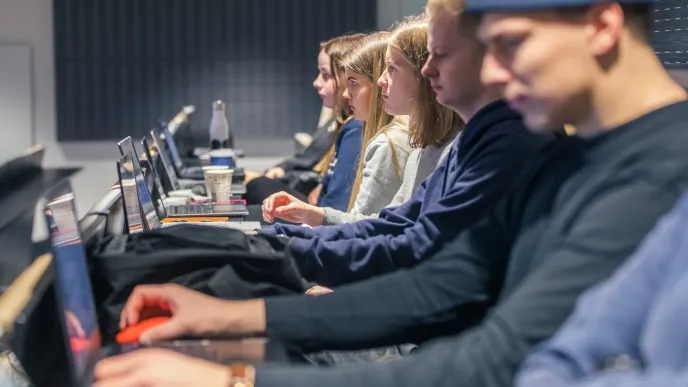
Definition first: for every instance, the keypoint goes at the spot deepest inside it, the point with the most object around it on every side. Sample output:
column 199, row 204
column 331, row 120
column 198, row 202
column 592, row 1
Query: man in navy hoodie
column 483, row 164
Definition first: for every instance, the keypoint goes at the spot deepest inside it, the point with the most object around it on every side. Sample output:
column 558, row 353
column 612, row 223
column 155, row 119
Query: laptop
column 133, row 221
column 78, row 314
column 127, row 146
column 186, row 171
column 142, row 203
column 179, row 184
column 209, row 209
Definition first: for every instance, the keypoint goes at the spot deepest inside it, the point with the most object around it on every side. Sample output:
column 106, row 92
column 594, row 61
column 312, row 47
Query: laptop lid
column 150, row 216
column 127, row 146
column 151, row 161
column 73, row 290
column 169, row 171
column 133, row 221
column 174, row 152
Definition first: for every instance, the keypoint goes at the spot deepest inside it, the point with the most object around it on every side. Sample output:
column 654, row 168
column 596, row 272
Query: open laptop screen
column 72, row 282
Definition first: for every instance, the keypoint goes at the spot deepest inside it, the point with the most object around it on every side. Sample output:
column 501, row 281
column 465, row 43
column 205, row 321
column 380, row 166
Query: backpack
column 219, row 262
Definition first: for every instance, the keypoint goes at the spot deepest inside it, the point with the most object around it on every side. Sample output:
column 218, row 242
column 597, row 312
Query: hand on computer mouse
column 159, row 368
column 192, row 313
column 284, row 206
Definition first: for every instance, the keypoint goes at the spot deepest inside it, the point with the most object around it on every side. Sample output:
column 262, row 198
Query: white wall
column 16, row 105
column 29, row 22
column 391, row 11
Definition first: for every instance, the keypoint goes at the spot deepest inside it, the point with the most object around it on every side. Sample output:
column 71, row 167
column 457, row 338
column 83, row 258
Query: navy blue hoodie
column 481, row 167
column 340, row 177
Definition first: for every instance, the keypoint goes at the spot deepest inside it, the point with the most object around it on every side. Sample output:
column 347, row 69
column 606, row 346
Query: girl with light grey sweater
column 398, row 157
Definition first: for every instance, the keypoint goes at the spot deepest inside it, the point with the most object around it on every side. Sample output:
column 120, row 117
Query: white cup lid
column 221, row 153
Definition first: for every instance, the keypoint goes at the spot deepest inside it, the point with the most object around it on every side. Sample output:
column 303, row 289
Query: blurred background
column 78, row 75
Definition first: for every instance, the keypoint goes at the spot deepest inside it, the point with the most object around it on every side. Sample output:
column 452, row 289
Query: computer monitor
column 73, row 290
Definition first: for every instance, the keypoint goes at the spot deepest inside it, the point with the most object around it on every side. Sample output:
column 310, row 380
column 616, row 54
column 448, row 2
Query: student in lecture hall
column 431, row 128
column 320, row 155
column 385, row 145
column 480, row 168
column 564, row 229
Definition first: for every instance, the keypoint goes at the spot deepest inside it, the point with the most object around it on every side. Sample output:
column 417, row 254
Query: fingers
column 169, row 330
column 161, row 296
column 117, row 366
column 135, row 379
column 266, row 215
column 318, row 291
column 291, row 212
column 127, row 370
column 275, row 201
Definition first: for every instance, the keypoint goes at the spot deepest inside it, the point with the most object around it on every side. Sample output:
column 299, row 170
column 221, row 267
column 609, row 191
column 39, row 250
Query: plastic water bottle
column 219, row 128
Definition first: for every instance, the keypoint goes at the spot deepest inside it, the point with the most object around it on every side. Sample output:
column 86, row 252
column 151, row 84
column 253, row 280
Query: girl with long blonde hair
column 295, row 175
column 430, row 126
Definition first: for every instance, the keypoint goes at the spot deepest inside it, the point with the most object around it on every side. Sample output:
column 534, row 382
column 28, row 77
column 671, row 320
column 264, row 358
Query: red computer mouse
column 132, row 333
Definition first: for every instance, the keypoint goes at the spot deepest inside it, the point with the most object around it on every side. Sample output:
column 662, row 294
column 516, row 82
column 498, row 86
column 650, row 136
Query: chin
column 392, row 112
column 541, row 124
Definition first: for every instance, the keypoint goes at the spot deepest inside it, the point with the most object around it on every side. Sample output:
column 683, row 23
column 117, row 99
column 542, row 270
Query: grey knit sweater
column 420, row 164
column 381, row 180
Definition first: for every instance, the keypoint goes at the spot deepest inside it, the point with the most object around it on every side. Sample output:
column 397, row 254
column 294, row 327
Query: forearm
column 337, row 262
column 404, row 306
column 291, row 231
column 334, row 217
column 436, row 368
column 241, row 318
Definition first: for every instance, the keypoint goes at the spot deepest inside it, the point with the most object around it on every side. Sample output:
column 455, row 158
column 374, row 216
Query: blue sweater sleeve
column 336, row 194
column 479, row 186
column 609, row 318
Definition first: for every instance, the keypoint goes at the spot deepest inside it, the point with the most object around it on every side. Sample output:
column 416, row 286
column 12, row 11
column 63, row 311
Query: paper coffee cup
column 207, row 168
column 219, row 183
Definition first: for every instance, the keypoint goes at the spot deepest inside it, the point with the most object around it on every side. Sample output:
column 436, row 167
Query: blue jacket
column 336, row 186
column 479, row 169
column 641, row 313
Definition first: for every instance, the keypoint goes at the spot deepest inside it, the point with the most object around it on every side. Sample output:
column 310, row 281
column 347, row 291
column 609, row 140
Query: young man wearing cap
column 566, row 228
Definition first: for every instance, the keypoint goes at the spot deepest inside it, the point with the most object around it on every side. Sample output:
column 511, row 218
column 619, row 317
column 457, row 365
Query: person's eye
column 391, row 69
column 326, row 76
column 510, row 44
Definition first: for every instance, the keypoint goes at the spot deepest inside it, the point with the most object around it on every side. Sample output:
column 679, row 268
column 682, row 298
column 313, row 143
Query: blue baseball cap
column 528, row 5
